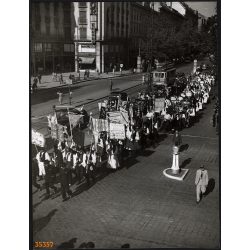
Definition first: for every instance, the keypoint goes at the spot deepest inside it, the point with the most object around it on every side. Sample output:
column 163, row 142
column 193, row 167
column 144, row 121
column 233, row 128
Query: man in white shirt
column 41, row 156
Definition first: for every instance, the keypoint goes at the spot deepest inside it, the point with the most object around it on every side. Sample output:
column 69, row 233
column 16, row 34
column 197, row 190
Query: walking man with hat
column 201, row 182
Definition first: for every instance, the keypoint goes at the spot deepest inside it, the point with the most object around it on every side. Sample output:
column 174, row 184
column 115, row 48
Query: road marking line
column 202, row 137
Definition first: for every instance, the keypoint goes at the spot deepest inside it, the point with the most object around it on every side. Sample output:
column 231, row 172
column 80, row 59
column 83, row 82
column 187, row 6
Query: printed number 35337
column 43, row 244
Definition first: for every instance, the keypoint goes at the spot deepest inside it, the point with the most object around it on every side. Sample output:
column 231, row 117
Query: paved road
column 42, row 102
column 140, row 206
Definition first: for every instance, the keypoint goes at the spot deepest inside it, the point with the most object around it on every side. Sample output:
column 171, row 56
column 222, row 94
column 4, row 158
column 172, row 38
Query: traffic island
column 172, row 174
column 175, row 172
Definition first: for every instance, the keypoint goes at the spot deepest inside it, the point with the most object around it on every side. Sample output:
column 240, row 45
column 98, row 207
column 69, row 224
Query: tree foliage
column 166, row 39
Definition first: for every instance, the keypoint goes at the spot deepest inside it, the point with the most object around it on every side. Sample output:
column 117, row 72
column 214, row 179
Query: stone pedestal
column 175, row 172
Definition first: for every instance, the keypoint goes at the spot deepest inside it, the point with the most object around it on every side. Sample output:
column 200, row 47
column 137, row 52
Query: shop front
column 87, row 57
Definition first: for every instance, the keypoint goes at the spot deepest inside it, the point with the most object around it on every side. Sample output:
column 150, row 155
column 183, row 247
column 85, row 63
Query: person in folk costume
column 201, row 182
column 69, row 164
column 113, row 159
column 137, row 138
column 100, row 149
column 143, row 137
column 155, row 131
column 177, row 121
column 120, row 153
column 76, row 159
column 78, row 165
column 61, row 146
column 129, row 140
column 187, row 117
column 50, row 177
column 167, row 121
column 182, row 120
column 41, row 156
column 93, row 156
column 90, row 167
column 84, row 164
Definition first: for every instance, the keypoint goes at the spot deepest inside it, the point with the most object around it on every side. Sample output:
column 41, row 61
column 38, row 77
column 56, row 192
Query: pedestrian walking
column 41, row 156
column 50, row 177
column 111, row 85
column 61, row 79
column 60, row 97
column 40, row 78
column 201, row 182
column 34, row 85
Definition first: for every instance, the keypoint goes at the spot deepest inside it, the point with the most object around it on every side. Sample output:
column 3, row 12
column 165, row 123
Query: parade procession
column 124, row 127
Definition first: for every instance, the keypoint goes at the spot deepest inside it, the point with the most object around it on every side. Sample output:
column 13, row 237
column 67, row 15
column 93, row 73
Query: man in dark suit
column 64, row 180
column 49, row 177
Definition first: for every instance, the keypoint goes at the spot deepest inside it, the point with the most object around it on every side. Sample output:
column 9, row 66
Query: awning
column 87, row 60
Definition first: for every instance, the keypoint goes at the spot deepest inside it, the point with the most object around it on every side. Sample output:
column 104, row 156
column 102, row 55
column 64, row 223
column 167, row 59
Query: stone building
column 52, row 47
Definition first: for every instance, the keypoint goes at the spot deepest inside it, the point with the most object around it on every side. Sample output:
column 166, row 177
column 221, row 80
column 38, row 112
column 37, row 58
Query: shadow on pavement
column 147, row 152
column 125, row 245
column 185, row 162
column 184, row 147
column 87, row 245
column 210, row 186
column 40, row 223
column 68, row 244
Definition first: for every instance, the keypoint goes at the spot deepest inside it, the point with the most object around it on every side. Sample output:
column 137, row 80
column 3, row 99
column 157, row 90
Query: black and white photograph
column 125, row 125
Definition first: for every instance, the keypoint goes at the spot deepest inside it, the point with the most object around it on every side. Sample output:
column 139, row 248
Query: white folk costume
column 113, row 161
column 41, row 157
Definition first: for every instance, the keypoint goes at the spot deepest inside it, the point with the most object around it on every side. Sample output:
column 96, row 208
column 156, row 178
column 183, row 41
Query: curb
column 88, row 80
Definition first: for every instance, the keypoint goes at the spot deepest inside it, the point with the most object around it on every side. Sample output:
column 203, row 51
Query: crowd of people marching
column 74, row 163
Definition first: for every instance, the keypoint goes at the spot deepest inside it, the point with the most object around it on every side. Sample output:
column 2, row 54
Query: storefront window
column 69, row 47
column 48, row 47
column 83, row 33
column 38, row 47
column 82, row 17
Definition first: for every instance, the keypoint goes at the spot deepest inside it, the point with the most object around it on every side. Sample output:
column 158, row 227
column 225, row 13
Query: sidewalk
column 47, row 82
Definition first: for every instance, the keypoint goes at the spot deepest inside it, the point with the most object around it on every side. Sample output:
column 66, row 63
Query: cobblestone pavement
column 139, row 205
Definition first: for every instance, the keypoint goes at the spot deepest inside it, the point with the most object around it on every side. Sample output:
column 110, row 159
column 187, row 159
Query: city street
column 138, row 205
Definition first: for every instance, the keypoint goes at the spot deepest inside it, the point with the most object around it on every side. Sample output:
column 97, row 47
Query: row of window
column 47, row 47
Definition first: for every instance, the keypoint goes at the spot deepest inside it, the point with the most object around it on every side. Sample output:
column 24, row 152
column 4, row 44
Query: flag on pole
column 74, row 119
column 98, row 125
column 38, row 139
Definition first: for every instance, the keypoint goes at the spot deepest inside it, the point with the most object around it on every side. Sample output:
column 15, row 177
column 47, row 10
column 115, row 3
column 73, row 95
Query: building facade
column 52, row 47
column 202, row 20
column 101, row 35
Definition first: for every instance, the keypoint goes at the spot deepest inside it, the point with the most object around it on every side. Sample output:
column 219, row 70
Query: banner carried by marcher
column 117, row 131
column 74, row 119
column 38, row 139
column 159, row 104
column 99, row 125
column 102, row 104
column 120, row 117
column 57, row 131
